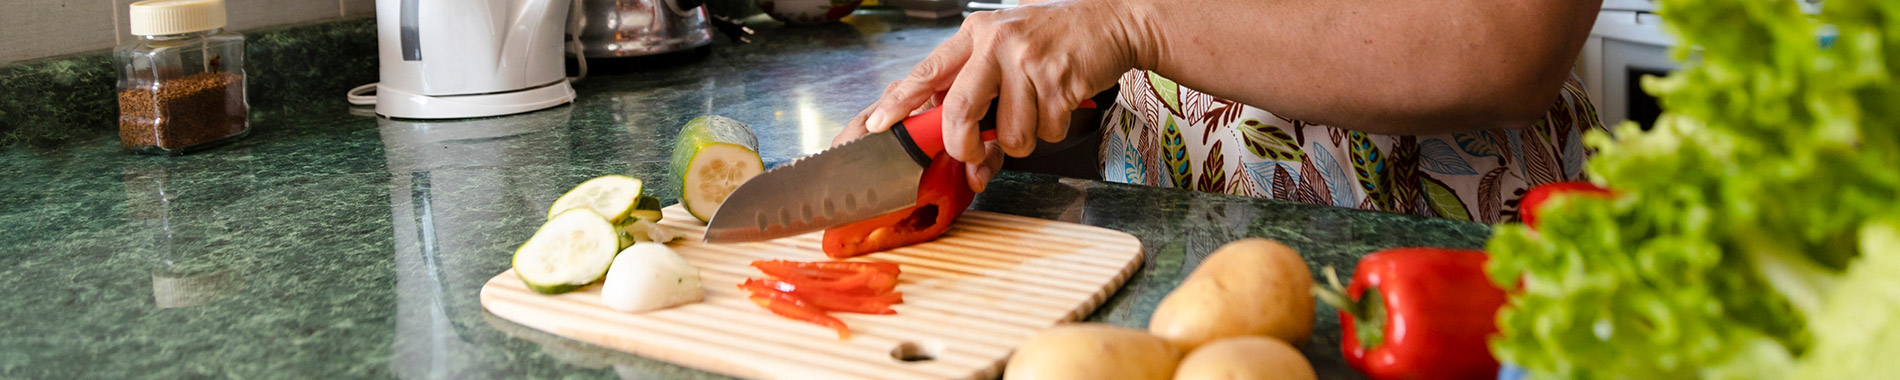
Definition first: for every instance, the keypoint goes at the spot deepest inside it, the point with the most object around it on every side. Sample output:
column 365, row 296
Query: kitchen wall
column 43, row 28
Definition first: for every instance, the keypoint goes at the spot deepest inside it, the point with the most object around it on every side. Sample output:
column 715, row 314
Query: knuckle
column 978, row 18
column 957, row 101
column 924, row 70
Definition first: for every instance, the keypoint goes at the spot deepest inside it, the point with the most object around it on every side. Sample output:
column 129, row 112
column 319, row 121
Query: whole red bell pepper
column 1528, row 209
column 1418, row 314
column 942, row 196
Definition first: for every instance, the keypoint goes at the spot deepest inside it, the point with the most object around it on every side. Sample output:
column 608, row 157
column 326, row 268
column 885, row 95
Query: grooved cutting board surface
column 969, row 298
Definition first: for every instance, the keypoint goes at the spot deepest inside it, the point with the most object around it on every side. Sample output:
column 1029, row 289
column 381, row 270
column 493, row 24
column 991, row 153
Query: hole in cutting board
column 914, row 352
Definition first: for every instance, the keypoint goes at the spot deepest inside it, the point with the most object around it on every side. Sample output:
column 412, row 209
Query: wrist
column 1138, row 25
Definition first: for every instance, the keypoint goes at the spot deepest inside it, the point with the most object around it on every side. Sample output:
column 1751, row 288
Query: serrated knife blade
column 874, row 175
column 871, row 176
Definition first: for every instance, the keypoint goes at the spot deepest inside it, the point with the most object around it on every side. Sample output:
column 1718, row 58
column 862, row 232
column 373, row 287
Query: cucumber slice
column 712, row 156
column 648, row 209
column 571, row 250
column 613, row 196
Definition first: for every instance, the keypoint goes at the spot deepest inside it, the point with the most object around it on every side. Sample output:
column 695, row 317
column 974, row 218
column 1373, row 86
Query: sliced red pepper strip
column 847, row 306
column 942, row 195
column 881, row 283
column 880, row 305
column 804, row 279
column 836, row 267
column 811, row 294
column 791, row 306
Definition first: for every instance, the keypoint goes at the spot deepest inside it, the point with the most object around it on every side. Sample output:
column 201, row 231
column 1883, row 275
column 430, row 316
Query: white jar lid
column 161, row 17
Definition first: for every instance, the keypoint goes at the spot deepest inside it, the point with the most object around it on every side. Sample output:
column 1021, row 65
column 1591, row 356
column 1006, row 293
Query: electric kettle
column 445, row 59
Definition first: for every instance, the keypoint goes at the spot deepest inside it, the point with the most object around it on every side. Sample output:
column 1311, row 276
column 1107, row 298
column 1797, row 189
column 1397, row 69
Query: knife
column 873, row 175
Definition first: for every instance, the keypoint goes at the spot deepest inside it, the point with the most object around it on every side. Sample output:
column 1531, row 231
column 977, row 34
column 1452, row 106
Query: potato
column 1248, row 287
column 1246, row 357
column 1092, row 351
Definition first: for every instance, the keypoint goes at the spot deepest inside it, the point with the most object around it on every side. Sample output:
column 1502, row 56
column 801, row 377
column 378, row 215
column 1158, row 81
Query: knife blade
column 854, row 181
column 874, row 175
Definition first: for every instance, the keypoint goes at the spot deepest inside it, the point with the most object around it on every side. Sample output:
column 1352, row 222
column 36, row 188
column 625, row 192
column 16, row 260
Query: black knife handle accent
column 910, row 145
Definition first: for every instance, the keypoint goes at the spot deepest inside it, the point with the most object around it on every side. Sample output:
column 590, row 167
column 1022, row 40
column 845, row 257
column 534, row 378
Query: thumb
column 980, row 173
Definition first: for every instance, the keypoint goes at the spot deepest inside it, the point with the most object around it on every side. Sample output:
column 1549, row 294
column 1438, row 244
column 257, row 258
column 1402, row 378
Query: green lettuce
column 1754, row 236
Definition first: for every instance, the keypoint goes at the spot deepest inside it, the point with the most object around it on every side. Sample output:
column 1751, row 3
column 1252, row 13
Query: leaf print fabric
column 1175, row 155
column 1167, row 135
column 1213, row 171
column 1269, row 142
column 1167, row 92
column 1437, row 156
column 1369, row 164
column 1443, row 201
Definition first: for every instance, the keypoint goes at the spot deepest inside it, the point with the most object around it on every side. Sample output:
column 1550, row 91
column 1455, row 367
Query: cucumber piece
column 712, row 156
column 570, row 251
column 642, row 230
column 612, row 196
column 648, row 208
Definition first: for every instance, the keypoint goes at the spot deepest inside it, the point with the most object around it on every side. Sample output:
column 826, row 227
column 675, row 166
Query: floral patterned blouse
column 1162, row 134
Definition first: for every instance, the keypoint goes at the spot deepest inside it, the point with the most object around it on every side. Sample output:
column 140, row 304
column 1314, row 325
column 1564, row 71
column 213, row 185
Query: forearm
column 1381, row 66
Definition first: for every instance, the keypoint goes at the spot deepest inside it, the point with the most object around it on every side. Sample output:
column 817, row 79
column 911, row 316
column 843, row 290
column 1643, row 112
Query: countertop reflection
column 333, row 244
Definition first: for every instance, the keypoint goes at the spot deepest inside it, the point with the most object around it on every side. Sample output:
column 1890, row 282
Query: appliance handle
column 576, row 22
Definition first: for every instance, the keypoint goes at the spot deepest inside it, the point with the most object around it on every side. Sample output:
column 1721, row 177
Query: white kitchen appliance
column 444, row 59
column 1627, row 43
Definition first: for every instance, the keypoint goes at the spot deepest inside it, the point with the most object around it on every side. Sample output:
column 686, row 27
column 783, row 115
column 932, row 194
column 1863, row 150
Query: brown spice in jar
column 184, row 112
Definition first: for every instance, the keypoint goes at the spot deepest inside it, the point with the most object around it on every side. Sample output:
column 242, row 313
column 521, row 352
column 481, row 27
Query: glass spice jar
column 181, row 83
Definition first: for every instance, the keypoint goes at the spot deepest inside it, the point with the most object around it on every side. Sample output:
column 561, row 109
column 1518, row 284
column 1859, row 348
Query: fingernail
column 876, row 121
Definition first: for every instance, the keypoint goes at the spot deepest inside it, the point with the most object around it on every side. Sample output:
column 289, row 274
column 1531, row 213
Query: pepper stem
column 1368, row 313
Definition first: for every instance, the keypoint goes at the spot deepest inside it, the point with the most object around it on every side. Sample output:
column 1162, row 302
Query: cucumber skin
column 558, row 289
column 561, row 287
column 647, row 207
column 700, row 132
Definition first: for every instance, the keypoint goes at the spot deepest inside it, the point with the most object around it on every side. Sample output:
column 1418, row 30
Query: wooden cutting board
column 969, row 298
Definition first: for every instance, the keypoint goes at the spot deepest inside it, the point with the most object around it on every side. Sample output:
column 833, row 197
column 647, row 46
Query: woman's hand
column 1039, row 60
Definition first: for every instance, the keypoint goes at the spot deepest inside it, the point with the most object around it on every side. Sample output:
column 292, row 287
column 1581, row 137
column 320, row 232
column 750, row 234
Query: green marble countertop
column 334, row 244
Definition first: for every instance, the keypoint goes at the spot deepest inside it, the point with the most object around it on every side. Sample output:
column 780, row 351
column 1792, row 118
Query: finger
column 965, row 104
column 1053, row 124
column 856, row 127
column 933, row 74
column 849, row 133
column 1016, row 112
column 933, row 102
column 1059, row 101
column 980, row 174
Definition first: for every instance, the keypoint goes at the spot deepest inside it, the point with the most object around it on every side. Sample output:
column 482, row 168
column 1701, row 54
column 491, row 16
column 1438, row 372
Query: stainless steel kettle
column 628, row 28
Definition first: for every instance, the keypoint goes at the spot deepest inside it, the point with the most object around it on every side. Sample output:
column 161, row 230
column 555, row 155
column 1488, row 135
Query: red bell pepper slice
column 791, row 306
column 867, row 278
column 1418, row 314
column 1530, row 207
column 829, row 301
column 838, row 281
column 942, row 196
column 809, row 293
column 836, row 267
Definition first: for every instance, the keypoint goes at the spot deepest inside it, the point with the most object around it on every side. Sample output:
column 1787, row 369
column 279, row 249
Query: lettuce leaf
column 1749, row 239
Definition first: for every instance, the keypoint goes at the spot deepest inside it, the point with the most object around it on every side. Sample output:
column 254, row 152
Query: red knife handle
column 922, row 134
